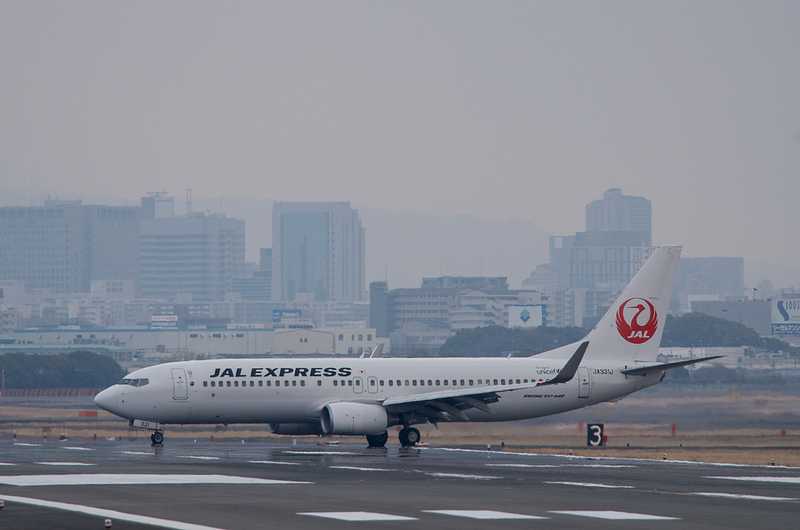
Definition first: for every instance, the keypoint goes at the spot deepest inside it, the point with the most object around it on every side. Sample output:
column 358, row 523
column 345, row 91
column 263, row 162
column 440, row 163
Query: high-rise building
column 619, row 213
column 62, row 246
column 318, row 248
column 192, row 258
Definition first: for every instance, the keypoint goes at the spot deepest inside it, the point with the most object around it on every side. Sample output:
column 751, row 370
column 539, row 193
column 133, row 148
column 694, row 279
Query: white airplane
column 366, row 396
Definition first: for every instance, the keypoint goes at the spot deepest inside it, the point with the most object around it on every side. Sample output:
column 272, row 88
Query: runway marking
column 6, row 464
column 138, row 453
column 199, row 457
column 484, row 514
column 359, row 516
column 746, row 497
column 458, row 475
column 534, row 466
column 360, row 468
column 78, row 448
column 612, row 515
column 24, row 444
column 63, row 464
column 135, row 479
column 589, row 485
column 781, row 480
column 318, row 453
column 110, row 514
column 273, row 462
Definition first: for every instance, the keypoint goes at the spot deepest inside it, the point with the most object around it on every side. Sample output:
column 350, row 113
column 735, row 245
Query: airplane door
column 358, row 385
column 372, row 385
column 584, row 383
column 179, row 388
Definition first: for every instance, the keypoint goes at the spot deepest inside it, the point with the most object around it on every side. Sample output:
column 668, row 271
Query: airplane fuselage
column 288, row 390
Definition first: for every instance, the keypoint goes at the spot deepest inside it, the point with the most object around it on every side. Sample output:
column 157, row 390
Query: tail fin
column 631, row 330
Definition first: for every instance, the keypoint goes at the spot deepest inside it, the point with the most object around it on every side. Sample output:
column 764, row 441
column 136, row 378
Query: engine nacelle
column 294, row 429
column 345, row 417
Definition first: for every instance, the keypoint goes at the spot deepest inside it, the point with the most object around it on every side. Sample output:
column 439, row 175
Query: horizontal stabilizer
column 568, row 372
column 666, row 366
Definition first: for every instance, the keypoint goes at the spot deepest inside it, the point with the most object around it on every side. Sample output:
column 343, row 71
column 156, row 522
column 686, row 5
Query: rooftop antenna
column 188, row 202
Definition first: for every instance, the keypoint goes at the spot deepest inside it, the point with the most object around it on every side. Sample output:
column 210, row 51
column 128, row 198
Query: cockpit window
column 134, row 382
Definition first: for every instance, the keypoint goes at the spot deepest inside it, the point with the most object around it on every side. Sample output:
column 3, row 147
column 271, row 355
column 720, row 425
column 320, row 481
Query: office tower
column 318, row 248
column 62, row 246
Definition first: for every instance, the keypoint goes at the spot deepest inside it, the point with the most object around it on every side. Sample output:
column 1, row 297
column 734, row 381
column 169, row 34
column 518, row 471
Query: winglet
column 568, row 372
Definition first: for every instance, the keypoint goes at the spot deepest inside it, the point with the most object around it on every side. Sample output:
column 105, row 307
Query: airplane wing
column 449, row 404
column 644, row 370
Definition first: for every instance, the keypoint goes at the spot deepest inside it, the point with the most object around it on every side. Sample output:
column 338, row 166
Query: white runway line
column 107, row 514
column 359, row 516
column 132, row 479
column 199, row 457
column 780, row 480
column 354, row 468
column 458, row 475
column 62, row 464
column 611, row 515
column 746, row 497
column 273, row 462
column 484, row 514
column 589, row 485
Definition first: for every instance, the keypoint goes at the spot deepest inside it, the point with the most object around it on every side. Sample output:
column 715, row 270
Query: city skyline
column 500, row 111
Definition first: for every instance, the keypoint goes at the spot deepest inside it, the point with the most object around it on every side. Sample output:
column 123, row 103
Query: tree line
column 78, row 369
column 689, row 330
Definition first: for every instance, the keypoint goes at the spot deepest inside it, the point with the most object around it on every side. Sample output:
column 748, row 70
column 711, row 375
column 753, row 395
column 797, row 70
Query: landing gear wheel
column 377, row 440
column 409, row 437
column 157, row 438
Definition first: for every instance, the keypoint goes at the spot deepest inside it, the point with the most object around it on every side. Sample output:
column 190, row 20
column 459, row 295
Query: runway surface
column 203, row 485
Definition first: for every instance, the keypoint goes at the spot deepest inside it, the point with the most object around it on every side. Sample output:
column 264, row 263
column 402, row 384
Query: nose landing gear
column 157, row 438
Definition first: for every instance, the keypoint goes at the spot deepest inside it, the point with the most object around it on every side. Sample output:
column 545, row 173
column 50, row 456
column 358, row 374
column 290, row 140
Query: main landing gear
column 409, row 437
column 157, row 438
column 378, row 440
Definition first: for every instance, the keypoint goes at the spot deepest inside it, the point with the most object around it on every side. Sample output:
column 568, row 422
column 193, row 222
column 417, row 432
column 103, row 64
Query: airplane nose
column 107, row 399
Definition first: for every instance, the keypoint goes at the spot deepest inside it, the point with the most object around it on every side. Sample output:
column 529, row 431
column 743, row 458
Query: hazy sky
column 493, row 109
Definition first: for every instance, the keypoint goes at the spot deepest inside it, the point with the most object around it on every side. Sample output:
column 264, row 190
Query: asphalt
column 194, row 485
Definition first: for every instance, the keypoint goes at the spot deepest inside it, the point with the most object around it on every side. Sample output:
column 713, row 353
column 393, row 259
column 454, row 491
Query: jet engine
column 294, row 429
column 345, row 417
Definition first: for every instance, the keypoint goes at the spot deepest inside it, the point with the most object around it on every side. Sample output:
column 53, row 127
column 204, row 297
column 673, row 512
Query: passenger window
column 480, row 381
column 350, row 382
column 319, row 382
column 381, row 383
column 398, row 382
column 414, row 382
column 213, row 383
column 470, row 382
column 252, row 383
column 407, row 382
column 358, row 382
column 260, row 382
column 294, row 383
column 229, row 383
column 269, row 383
column 454, row 382
column 445, row 382
column 371, row 382
column 517, row 381
column 462, row 382
column 438, row 383
column 236, row 383
column 430, row 383
column 495, row 381
column 391, row 382
column 502, row 381
column 335, row 382
column 205, row 383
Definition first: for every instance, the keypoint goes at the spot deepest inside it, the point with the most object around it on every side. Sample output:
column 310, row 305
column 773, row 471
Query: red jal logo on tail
column 628, row 320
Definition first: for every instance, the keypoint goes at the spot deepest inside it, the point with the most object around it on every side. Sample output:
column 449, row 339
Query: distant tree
column 495, row 341
column 698, row 329
column 79, row 369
